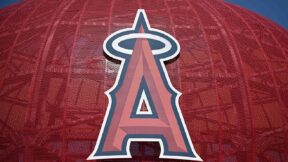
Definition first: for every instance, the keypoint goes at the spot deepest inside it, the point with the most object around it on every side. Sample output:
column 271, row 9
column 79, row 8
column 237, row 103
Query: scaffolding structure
column 232, row 72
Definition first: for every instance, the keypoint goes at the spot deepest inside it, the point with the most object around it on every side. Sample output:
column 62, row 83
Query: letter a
column 143, row 79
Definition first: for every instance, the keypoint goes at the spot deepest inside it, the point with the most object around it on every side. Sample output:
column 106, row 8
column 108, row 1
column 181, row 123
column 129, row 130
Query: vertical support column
column 28, row 153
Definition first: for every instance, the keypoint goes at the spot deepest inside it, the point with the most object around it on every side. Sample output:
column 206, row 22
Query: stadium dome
column 232, row 72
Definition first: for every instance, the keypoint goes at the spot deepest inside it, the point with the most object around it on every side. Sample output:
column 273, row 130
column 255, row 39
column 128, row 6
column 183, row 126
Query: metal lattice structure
column 232, row 72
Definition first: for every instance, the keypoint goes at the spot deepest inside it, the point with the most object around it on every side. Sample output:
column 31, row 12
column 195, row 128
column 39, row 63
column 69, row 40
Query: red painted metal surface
column 232, row 71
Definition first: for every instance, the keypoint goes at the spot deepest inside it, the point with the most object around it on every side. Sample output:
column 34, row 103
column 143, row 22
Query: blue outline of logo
column 150, row 105
column 109, row 48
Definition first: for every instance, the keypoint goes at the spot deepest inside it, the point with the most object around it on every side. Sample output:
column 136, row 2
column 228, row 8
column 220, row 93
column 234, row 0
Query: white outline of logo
column 92, row 155
column 144, row 99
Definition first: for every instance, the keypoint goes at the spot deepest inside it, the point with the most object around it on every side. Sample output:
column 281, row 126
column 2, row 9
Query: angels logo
column 142, row 78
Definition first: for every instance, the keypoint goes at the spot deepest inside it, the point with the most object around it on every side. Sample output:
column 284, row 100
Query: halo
column 166, row 48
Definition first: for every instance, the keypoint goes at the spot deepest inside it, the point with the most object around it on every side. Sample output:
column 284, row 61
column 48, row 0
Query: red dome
column 232, row 72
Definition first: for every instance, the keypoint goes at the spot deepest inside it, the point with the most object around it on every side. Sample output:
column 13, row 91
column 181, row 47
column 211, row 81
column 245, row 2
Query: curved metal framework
column 232, row 71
